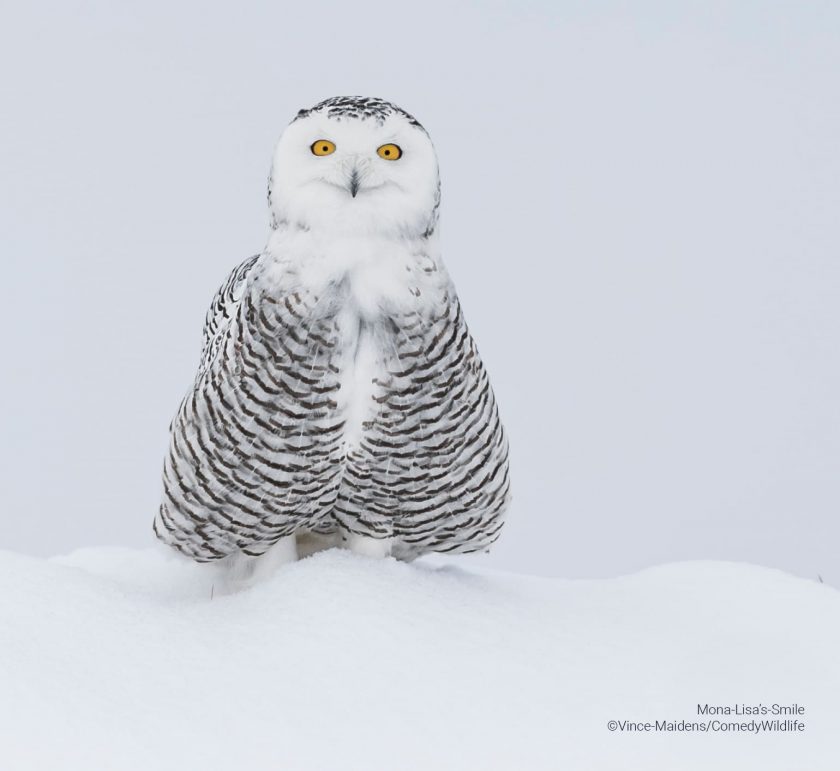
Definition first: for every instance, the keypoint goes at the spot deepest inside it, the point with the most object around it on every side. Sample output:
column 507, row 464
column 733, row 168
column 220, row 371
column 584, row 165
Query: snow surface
column 119, row 659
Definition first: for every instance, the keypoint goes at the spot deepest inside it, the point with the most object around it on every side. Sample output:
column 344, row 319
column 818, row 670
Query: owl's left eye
column 322, row 147
column 389, row 152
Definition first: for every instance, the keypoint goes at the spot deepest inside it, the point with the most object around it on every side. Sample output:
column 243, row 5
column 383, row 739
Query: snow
column 120, row 659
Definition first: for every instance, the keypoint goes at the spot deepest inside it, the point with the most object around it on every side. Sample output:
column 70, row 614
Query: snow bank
column 119, row 659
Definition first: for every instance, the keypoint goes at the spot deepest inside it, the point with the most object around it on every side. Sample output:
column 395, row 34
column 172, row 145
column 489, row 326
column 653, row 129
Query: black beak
column 354, row 182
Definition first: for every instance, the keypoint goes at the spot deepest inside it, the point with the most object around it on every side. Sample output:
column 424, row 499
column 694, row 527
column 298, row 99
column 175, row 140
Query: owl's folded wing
column 222, row 309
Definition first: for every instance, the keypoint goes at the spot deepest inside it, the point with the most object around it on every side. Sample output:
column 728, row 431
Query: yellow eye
column 389, row 152
column 323, row 147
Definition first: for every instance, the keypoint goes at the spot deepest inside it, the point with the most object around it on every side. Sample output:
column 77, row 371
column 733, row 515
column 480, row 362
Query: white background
column 640, row 213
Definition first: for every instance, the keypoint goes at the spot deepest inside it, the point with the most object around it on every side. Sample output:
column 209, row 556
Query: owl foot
column 240, row 571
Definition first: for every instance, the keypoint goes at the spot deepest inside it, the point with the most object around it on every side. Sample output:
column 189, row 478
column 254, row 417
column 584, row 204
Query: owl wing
column 432, row 470
column 222, row 310
column 256, row 445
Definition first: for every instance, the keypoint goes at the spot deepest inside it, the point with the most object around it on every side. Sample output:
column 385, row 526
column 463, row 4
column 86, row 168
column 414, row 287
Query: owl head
column 355, row 165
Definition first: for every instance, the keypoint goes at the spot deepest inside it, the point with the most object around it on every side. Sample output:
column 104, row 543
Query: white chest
column 362, row 363
column 382, row 274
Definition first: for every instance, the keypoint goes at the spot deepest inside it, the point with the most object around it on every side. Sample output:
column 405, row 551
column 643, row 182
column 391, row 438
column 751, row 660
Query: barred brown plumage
column 339, row 390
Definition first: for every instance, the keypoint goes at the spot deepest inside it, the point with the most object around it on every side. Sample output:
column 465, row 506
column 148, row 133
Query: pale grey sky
column 640, row 212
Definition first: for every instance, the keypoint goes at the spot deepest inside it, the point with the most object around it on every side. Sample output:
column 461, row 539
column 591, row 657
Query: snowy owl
column 340, row 398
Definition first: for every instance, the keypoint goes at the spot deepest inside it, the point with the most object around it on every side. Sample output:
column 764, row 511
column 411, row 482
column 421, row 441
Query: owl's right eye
column 323, row 147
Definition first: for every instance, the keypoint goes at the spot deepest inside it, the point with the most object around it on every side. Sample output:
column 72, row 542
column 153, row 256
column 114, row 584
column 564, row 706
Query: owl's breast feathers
column 318, row 408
